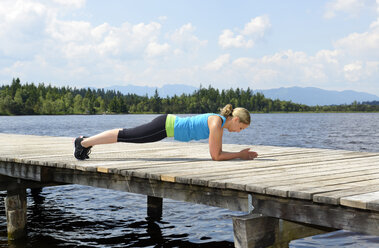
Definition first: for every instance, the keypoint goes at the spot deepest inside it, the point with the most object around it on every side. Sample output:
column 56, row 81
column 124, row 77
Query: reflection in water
column 338, row 239
column 53, row 223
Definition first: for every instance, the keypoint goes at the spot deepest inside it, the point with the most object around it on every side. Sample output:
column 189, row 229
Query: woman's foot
column 81, row 152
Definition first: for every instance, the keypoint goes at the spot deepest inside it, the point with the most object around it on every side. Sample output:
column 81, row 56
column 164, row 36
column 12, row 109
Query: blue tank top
column 194, row 127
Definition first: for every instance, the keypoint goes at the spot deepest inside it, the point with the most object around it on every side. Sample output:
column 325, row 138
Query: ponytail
column 227, row 111
column 242, row 113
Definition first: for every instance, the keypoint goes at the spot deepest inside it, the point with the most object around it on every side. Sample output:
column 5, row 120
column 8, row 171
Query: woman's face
column 236, row 125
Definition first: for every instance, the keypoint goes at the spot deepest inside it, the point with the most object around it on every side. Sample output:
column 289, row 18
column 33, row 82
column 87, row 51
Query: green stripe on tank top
column 170, row 123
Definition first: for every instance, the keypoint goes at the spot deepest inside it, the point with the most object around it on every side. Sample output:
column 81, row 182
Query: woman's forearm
column 244, row 154
column 226, row 156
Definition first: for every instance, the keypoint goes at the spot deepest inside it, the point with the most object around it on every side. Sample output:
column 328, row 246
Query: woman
column 183, row 129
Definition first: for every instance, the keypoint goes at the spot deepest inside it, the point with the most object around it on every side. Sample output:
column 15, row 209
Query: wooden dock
column 328, row 188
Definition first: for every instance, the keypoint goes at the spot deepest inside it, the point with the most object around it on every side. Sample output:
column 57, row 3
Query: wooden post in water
column 255, row 230
column 154, row 207
column 289, row 231
column 15, row 208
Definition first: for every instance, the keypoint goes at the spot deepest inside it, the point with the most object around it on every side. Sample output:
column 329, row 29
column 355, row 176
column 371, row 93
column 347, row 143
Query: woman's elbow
column 216, row 157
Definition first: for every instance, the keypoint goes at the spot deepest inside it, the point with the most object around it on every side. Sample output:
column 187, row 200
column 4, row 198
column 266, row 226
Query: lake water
column 80, row 216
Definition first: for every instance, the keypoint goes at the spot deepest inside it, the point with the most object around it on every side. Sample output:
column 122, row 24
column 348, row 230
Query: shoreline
column 251, row 112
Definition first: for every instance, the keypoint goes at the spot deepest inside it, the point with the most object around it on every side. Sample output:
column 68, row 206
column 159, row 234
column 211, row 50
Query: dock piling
column 15, row 208
column 154, row 207
column 254, row 230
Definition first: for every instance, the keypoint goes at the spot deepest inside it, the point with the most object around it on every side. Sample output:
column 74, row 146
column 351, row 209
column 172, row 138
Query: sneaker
column 81, row 152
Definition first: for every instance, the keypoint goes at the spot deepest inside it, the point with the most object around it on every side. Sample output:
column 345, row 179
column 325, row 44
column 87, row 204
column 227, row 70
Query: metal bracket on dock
column 250, row 203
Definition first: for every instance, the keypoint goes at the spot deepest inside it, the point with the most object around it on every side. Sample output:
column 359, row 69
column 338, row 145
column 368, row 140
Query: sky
column 331, row 44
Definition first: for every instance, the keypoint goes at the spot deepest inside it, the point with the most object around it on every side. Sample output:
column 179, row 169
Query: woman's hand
column 246, row 154
column 215, row 143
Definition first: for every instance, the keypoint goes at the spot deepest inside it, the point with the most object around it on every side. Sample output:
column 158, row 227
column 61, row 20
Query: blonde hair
column 242, row 113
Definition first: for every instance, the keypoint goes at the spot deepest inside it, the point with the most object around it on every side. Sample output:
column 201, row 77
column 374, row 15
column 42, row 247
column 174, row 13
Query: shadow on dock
column 172, row 159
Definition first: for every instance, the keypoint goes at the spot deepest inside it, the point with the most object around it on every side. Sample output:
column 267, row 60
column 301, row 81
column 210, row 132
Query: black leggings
column 150, row 132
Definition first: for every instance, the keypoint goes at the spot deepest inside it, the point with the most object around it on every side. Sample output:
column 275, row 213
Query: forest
column 41, row 99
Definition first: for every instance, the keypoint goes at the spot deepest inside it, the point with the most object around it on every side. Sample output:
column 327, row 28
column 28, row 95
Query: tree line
column 41, row 99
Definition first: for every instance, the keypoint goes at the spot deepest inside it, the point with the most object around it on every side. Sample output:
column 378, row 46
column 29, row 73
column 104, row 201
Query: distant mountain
column 310, row 95
column 374, row 103
column 164, row 91
column 314, row 96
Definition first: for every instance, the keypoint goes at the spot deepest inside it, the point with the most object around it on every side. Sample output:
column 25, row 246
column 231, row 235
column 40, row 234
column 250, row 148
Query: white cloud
column 361, row 45
column 186, row 41
column 21, row 27
column 326, row 69
column 351, row 7
column 359, row 70
column 71, row 3
column 353, row 71
column 154, row 49
column 100, row 31
column 257, row 27
column 243, row 62
column 355, row 58
column 69, row 31
column 38, row 42
column 17, row 12
column 252, row 32
column 218, row 63
column 227, row 40
column 81, row 39
column 293, row 66
column 35, row 42
column 328, row 56
column 375, row 24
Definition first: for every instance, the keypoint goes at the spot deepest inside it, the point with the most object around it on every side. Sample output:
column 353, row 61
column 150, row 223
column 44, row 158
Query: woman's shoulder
column 215, row 120
column 213, row 114
column 221, row 117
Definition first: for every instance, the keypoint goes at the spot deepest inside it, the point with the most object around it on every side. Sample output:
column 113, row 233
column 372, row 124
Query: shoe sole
column 73, row 141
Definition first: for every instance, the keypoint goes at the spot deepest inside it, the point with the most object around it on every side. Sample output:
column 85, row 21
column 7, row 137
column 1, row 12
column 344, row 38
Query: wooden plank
column 261, row 186
column 32, row 140
column 229, row 199
column 361, row 200
column 258, row 184
column 205, row 168
column 63, row 162
column 335, row 196
column 373, row 205
column 334, row 216
column 155, row 170
column 48, row 152
column 184, row 174
column 256, row 180
column 308, row 193
column 122, row 167
column 279, row 173
column 253, row 167
column 307, row 166
column 21, row 171
column 83, row 167
column 167, row 179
